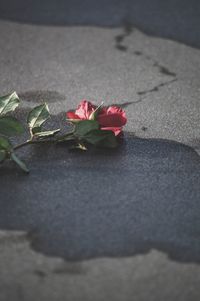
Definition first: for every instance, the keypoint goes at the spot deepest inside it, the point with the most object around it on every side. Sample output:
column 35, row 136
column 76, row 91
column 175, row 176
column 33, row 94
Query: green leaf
column 2, row 155
column 101, row 138
column 46, row 134
column 79, row 146
column 5, row 148
column 67, row 137
column 20, row 163
column 5, row 144
column 85, row 126
column 10, row 126
column 8, row 103
column 38, row 116
column 94, row 114
column 36, row 130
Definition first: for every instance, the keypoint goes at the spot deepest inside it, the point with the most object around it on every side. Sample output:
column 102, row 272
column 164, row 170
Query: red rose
column 110, row 118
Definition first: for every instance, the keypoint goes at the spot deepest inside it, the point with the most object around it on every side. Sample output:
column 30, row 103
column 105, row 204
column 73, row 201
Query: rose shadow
column 125, row 202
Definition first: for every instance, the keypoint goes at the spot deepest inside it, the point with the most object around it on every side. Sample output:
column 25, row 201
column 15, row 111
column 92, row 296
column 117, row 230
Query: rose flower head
column 110, row 118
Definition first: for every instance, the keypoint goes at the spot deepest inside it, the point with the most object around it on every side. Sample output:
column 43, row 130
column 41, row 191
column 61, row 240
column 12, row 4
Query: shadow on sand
column 124, row 202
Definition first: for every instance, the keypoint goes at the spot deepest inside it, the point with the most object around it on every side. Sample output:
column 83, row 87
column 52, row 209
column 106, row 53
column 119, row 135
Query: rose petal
column 112, row 120
column 85, row 109
column 72, row 115
column 115, row 109
column 115, row 130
